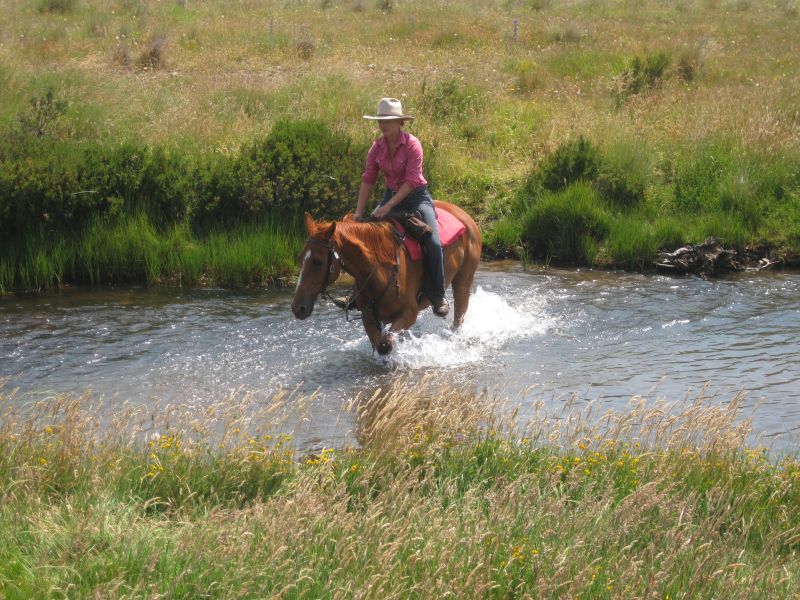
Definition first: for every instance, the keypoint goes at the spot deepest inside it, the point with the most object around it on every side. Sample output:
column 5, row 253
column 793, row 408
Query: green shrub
column 573, row 161
column 301, row 165
column 622, row 175
column 566, row 226
column 644, row 73
column 43, row 113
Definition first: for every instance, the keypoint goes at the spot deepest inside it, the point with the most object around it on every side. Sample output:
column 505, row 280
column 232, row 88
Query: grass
column 692, row 95
column 131, row 248
column 448, row 493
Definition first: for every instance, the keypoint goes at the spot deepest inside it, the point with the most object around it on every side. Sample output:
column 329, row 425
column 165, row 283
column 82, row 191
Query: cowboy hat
column 389, row 109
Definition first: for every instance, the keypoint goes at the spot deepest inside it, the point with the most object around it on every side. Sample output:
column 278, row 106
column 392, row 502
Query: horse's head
column 319, row 266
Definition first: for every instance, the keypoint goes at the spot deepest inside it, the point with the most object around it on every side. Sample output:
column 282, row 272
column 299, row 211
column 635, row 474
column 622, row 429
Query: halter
column 333, row 254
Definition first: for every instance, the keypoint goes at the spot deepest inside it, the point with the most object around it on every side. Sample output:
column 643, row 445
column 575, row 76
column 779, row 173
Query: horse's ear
column 329, row 231
column 309, row 220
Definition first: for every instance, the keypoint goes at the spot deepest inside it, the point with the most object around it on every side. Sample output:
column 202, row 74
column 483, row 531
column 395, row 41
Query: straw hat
column 389, row 109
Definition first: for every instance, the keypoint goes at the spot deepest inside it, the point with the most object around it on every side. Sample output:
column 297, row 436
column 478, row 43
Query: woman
column 398, row 154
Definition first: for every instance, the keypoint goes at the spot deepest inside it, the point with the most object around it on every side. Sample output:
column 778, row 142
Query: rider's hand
column 381, row 212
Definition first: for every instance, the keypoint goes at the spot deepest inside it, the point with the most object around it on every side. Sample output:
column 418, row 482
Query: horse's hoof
column 386, row 345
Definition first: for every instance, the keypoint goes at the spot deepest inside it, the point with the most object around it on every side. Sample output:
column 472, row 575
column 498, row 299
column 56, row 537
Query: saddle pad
column 450, row 229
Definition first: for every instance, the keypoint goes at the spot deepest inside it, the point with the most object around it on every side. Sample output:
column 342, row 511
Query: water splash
column 492, row 322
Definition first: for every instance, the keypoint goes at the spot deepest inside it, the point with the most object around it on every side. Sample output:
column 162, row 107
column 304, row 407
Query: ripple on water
column 600, row 335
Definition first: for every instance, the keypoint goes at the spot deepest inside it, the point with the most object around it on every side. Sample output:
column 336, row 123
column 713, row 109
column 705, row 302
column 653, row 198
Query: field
column 449, row 494
column 583, row 132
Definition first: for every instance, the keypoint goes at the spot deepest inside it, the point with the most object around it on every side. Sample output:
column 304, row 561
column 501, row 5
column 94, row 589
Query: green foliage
column 669, row 234
column 573, row 161
column 632, row 244
column 566, row 226
column 502, row 237
column 527, row 75
column 451, row 99
column 43, row 113
column 697, row 176
column 301, row 165
column 622, row 175
column 644, row 73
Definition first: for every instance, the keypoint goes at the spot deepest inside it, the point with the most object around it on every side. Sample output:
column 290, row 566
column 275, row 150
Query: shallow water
column 584, row 335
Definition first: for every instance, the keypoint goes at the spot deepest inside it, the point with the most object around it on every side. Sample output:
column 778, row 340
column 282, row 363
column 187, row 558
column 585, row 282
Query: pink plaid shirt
column 404, row 167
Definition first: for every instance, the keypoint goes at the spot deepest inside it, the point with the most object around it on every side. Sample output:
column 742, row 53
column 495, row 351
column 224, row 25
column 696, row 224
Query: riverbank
column 448, row 492
column 577, row 134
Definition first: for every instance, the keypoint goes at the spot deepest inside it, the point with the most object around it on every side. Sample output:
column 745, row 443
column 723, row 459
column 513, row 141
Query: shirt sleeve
column 414, row 175
column 370, row 174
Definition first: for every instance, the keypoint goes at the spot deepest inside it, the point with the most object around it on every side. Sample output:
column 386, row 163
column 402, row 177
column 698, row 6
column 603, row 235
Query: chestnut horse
column 387, row 281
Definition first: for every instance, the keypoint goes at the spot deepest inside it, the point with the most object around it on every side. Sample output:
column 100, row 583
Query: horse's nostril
column 300, row 311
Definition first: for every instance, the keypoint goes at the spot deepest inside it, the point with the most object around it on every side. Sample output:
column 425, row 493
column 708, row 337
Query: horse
column 387, row 280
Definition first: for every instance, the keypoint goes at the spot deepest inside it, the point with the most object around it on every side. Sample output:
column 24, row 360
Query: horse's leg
column 462, row 287
column 402, row 322
column 374, row 331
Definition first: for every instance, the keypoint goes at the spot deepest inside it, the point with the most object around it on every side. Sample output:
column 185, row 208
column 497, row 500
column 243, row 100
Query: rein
column 333, row 255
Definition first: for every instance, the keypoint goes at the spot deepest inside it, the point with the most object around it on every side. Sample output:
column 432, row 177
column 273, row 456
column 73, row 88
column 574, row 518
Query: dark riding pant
column 420, row 201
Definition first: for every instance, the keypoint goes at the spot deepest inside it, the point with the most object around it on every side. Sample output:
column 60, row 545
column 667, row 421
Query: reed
column 449, row 492
column 132, row 249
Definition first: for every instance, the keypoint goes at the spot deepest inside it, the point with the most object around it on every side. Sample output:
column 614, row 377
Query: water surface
column 586, row 335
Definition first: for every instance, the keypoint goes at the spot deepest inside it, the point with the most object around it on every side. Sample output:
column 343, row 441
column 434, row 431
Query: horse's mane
column 374, row 240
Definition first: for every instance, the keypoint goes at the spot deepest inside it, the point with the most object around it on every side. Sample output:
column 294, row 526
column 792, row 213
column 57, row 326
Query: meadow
column 449, row 493
column 592, row 132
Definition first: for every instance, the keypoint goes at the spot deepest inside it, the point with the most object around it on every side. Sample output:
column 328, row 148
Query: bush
column 153, row 55
column 303, row 166
column 573, row 161
column 644, row 73
column 43, row 113
column 566, row 226
column 300, row 166
column 622, row 176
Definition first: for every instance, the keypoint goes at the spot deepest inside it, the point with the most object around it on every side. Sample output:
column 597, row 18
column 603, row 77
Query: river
column 561, row 334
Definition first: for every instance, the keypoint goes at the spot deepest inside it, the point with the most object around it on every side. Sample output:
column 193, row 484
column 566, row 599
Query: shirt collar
column 400, row 142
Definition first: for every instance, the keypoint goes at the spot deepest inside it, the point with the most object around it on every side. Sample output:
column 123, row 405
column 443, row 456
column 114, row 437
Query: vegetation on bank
column 449, row 494
column 582, row 133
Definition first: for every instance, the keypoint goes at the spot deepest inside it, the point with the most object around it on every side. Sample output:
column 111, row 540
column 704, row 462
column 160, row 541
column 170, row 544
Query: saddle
column 414, row 230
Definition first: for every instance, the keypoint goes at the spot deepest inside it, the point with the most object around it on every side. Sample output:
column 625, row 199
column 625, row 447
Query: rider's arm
column 364, row 192
column 398, row 197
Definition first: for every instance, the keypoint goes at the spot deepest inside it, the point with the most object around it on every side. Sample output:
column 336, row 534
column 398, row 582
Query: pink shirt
column 404, row 167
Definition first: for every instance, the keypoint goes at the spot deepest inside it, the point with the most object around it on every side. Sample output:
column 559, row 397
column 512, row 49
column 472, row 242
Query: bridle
column 333, row 255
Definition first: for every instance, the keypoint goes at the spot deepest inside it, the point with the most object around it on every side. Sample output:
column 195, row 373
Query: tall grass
column 706, row 111
column 132, row 249
column 449, row 492
column 567, row 226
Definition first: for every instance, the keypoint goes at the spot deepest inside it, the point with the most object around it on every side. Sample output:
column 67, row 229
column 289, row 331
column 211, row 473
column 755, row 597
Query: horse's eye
column 316, row 263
